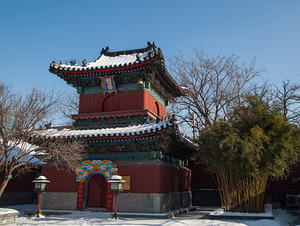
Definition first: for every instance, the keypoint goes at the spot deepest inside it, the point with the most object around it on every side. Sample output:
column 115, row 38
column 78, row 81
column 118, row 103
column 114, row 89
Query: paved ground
column 282, row 217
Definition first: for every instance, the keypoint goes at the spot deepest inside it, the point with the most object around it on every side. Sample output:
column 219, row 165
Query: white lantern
column 116, row 183
column 40, row 183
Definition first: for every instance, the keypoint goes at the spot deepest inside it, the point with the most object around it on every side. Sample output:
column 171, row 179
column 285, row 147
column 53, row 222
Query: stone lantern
column 40, row 184
column 116, row 187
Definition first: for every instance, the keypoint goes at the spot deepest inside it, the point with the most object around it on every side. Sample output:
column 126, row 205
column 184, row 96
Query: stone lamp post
column 40, row 184
column 116, row 187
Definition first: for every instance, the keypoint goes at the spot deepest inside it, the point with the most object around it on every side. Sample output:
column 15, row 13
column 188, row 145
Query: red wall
column 201, row 179
column 156, row 178
column 126, row 100
column 61, row 180
column 292, row 182
column 153, row 105
column 144, row 179
column 20, row 183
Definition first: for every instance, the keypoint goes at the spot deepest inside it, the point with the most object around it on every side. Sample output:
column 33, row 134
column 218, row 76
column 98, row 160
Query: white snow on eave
column 24, row 146
column 19, row 150
column 188, row 140
column 119, row 131
column 184, row 88
column 104, row 61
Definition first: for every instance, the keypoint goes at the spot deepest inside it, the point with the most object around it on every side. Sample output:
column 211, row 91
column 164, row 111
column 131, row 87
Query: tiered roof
column 162, row 133
column 118, row 63
column 129, row 132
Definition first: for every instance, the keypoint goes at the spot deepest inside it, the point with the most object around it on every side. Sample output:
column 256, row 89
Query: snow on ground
column 7, row 211
column 282, row 217
column 267, row 214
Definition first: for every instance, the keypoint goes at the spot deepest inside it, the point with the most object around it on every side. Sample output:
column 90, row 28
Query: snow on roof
column 119, row 131
column 17, row 151
column 114, row 59
column 188, row 140
column 184, row 88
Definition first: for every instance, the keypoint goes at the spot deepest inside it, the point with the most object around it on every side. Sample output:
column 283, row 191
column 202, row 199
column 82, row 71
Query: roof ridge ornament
column 151, row 45
column 73, row 62
column 173, row 118
column 160, row 52
column 104, row 51
column 138, row 57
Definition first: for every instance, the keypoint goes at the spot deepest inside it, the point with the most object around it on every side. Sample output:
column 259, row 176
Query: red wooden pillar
column 109, row 198
column 39, row 204
column 80, row 191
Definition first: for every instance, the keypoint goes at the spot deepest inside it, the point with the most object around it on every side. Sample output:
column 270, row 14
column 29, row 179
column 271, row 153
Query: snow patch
column 4, row 211
column 267, row 214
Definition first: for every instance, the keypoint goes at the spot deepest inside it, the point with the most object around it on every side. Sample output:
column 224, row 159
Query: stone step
column 96, row 209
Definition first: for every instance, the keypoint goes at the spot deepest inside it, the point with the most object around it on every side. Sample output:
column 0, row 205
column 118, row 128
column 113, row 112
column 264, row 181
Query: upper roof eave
column 151, row 54
column 112, row 60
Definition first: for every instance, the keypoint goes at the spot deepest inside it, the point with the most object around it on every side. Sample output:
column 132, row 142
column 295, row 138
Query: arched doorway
column 111, row 103
column 85, row 173
column 97, row 191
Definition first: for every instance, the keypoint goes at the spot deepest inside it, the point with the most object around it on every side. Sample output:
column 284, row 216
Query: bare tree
column 215, row 86
column 20, row 117
column 70, row 106
column 288, row 97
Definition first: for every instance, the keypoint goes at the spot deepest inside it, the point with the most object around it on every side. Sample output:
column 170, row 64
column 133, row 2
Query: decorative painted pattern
column 108, row 84
column 105, row 167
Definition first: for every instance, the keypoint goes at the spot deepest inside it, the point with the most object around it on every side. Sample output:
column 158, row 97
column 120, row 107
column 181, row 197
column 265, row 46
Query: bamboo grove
column 256, row 144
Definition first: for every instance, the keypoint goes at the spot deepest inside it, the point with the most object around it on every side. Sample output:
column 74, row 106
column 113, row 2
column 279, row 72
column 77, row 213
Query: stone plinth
column 8, row 216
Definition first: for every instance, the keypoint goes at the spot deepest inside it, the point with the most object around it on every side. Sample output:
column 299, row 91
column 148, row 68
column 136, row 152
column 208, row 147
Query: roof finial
column 48, row 126
column 138, row 57
column 84, row 62
column 173, row 118
column 73, row 62
column 160, row 52
column 104, row 51
column 151, row 45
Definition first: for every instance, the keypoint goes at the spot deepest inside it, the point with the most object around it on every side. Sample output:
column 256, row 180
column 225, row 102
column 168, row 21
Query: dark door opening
column 97, row 191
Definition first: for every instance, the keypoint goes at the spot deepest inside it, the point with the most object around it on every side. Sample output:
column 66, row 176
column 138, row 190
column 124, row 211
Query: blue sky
column 33, row 33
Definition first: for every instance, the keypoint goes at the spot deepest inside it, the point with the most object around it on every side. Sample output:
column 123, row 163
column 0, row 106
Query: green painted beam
column 123, row 88
column 150, row 155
